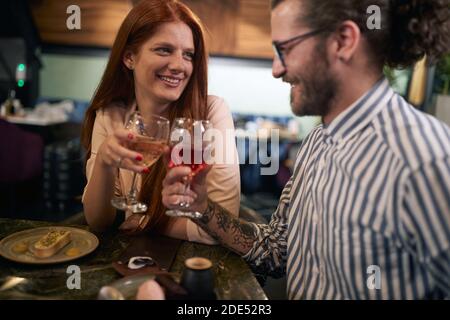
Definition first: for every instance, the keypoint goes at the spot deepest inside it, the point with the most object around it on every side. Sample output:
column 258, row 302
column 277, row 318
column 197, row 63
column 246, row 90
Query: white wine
column 150, row 149
column 152, row 135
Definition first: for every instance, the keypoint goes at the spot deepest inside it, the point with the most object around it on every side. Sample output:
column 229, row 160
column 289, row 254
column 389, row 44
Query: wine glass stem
column 187, row 186
column 131, row 198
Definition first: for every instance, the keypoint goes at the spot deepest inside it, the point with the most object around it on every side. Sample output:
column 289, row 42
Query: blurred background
column 49, row 72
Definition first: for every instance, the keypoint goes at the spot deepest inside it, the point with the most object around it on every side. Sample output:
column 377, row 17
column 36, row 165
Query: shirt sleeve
column 99, row 134
column 269, row 253
column 223, row 181
column 426, row 220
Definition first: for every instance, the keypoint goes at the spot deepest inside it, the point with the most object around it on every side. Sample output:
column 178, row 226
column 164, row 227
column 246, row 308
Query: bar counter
column 233, row 277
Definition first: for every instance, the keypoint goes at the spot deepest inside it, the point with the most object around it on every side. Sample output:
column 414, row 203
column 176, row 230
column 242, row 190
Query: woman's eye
column 163, row 50
column 189, row 55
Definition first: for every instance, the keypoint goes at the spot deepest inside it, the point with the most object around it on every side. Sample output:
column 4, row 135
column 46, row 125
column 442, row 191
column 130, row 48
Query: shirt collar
column 360, row 113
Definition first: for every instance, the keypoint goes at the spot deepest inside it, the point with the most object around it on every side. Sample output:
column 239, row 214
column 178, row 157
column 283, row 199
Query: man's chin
column 297, row 112
column 301, row 111
column 297, row 105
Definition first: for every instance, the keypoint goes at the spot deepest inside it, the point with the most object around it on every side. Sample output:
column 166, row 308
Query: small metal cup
column 198, row 279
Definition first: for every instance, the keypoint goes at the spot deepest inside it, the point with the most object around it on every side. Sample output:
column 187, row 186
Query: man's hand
column 237, row 235
column 174, row 189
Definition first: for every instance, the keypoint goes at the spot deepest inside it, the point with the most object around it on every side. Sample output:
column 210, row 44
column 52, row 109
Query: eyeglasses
column 278, row 46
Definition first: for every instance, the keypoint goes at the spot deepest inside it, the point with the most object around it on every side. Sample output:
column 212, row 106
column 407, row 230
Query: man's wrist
column 203, row 207
column 208, row 212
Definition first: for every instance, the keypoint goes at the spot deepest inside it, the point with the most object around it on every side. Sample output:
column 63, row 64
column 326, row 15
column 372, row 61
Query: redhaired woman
column 158, row 64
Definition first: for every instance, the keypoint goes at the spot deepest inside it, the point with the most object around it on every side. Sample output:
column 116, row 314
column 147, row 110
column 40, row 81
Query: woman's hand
column 114, row 152
column 174, row 190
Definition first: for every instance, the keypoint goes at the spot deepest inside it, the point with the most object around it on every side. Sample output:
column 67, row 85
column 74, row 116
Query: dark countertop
column 234, row 279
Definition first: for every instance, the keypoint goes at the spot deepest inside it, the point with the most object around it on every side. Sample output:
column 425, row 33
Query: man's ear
column 347, row 39
column 128, row 59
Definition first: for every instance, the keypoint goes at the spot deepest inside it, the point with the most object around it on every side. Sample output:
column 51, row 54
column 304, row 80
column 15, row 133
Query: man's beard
column 317, row 87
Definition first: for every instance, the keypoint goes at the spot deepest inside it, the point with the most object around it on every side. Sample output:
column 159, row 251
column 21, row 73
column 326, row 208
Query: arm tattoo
column 240, row 235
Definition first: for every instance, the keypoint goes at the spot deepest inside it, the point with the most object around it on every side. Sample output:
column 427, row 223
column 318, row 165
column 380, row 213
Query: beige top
column 223, row 181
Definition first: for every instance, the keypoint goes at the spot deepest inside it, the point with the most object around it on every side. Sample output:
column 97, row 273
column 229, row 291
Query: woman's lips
column 170, row 81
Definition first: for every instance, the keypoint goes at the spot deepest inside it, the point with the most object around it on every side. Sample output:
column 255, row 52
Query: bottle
column 9, row 104
column 198, row 279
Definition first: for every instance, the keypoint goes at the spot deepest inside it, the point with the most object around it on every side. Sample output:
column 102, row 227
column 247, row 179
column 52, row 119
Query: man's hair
column 410, row 29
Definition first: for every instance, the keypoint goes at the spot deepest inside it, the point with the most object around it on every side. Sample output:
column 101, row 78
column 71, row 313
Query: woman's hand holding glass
column 150, row 137
column 113, row 152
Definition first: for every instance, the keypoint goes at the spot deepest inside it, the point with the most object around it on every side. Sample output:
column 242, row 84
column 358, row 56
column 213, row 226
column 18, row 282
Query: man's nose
column 278, row 69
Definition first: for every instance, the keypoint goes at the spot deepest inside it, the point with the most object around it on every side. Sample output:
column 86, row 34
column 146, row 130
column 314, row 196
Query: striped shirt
column 366, row 213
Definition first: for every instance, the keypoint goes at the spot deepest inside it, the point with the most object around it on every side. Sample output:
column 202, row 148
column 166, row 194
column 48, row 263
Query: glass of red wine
column 152, row 135
column 189, row 146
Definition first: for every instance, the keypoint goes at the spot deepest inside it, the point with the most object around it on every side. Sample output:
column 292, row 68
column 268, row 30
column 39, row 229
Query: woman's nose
column 177, row 62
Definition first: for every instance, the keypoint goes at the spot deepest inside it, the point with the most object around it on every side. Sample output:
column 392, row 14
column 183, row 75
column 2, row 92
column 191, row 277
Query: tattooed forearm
column 208, row 214
column 243, row 232
column 236, row 234
column 206, row 218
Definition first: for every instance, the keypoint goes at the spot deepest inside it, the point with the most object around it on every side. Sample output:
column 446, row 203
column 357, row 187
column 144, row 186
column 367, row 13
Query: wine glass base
column 135, row 207
column 184, row 214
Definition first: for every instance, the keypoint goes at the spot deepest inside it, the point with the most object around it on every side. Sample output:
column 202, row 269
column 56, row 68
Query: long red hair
column 117, row 85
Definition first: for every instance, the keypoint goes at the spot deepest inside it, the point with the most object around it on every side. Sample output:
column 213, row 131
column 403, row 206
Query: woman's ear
column 128, row 59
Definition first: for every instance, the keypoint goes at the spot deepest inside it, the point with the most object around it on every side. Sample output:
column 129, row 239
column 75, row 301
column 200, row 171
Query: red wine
column 195, row 167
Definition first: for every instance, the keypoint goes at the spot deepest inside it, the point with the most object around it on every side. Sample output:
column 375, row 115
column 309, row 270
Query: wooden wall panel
column 235, row 27
column 100, row 21
column 220, row 19
column 253, row 29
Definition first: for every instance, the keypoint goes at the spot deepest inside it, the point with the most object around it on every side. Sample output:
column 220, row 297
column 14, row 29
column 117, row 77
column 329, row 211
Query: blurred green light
column 20, row 83
column 21, row 67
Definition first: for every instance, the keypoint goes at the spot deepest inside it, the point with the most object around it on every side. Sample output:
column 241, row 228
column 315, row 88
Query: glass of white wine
column 151, row 138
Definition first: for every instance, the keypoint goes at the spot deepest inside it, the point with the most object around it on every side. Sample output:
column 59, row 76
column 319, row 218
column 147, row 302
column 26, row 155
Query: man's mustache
column 292, row 80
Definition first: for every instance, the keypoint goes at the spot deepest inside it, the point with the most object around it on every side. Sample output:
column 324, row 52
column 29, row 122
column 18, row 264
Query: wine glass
column 187, row 148
column 152, row 134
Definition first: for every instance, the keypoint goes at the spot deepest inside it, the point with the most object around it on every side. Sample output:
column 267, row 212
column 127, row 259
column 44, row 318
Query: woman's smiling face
column 164, row 63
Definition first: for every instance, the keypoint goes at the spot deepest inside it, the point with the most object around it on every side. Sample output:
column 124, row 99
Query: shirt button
column 315, row 219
